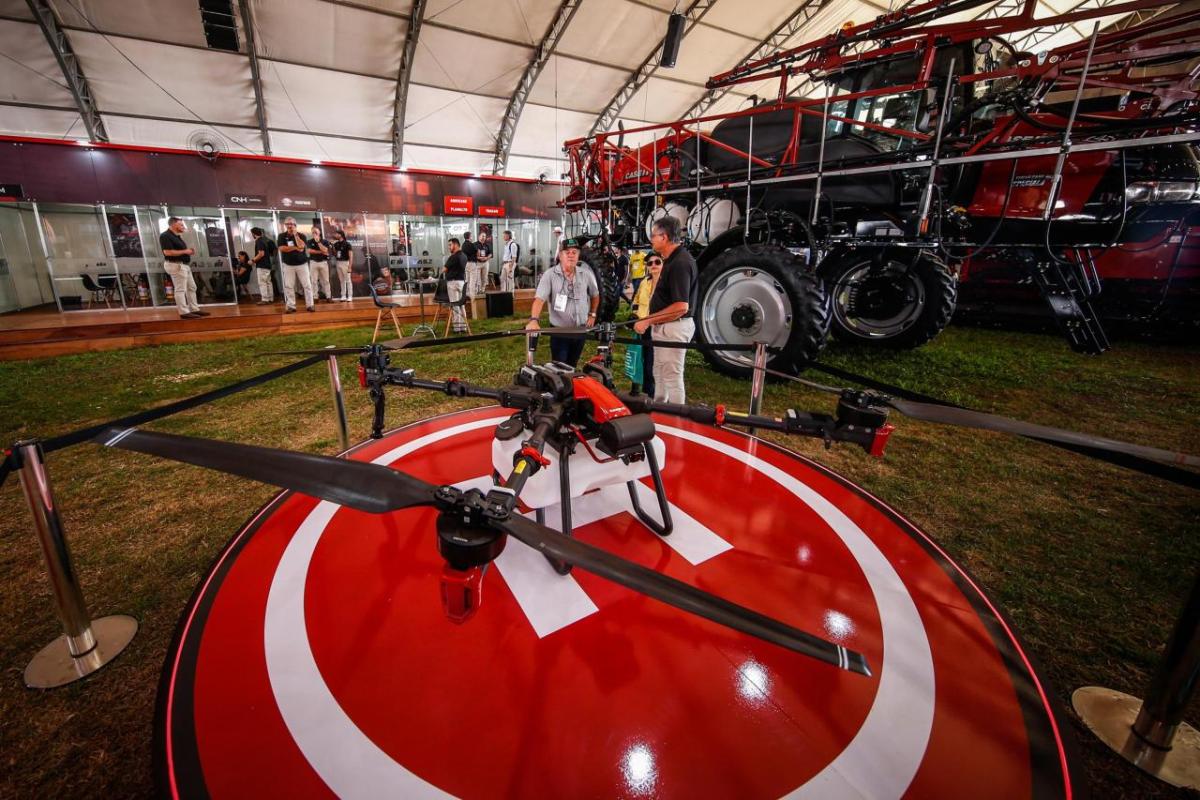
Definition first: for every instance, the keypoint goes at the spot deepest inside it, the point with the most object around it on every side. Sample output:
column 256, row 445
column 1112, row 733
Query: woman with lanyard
column 573, row 298
column 641, row 309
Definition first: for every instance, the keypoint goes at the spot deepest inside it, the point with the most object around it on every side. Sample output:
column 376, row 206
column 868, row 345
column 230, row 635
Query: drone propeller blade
column 367, row 487
column 948, row 415
column 325, row 351
column 681, row 595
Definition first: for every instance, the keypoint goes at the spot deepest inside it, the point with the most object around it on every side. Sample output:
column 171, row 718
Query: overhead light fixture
column 316, row 162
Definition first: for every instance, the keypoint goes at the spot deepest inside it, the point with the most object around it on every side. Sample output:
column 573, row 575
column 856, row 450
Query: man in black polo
column 455, row 273
column 319, row 249
column 177, row 257
column 264, row 262
column 295, row 266
column 470, row 252
column 672, row 306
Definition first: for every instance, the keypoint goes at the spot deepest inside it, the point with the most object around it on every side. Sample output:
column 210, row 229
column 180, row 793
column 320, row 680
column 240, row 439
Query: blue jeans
column 566, row 350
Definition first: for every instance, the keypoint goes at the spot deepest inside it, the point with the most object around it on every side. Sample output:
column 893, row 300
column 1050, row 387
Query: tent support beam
column 512, row 114
column 608, row 117
column 773, row 43
column 260, row 109
column 406, row 64
column 72, row 72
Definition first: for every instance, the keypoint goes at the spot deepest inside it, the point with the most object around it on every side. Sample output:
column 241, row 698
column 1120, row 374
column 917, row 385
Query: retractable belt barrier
column 88, row 644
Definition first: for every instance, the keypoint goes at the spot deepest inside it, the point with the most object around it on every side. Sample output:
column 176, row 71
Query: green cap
column 569, row 243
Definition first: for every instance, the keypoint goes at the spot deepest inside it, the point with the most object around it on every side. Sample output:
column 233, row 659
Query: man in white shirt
column 508, row 270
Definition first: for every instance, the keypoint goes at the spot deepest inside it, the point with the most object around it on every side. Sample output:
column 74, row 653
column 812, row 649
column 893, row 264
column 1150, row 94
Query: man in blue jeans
column 573, row 298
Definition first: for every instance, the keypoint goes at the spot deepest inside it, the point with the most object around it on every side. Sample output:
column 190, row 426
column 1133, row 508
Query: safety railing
column 88, row 643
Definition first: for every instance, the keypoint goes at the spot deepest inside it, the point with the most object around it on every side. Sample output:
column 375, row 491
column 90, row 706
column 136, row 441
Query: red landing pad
column 316, row 658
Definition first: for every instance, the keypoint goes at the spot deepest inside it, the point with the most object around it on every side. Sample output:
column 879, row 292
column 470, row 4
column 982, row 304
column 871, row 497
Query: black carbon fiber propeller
column 378, row 489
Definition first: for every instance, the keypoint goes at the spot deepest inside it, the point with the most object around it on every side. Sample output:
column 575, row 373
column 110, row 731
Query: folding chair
column 384, row 308
column 450, row 306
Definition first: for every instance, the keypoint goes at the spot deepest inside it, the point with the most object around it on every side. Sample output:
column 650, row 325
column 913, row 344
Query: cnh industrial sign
column 246, row 199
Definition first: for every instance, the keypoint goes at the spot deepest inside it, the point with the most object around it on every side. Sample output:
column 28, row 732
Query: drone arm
column 530, row 458
column 857, row 421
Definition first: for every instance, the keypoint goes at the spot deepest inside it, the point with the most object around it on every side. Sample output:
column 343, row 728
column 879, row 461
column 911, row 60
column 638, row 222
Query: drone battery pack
column 625, row 436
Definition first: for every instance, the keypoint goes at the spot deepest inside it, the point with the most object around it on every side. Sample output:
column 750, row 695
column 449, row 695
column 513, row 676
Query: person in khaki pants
column 177, row 258
column 672, row 306
column 512, row 252
column 318, row 265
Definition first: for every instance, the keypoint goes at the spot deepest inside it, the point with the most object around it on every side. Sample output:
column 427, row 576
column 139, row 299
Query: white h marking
column 551, row 601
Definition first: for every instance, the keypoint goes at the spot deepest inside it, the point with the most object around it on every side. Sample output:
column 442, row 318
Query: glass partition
column 354, row 226
column 240, row 221
column 128, row 231
column 82, row 270
column 205, row 231
column 24, row 281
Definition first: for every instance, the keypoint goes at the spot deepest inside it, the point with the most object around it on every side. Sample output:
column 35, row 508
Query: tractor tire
column 606, row 281
column 891, row 304
column 610, row 295
column 761, row 293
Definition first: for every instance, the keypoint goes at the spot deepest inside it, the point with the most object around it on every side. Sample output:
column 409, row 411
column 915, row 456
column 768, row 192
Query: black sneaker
column 290, row 311
column 312, row 308
column 202, row 314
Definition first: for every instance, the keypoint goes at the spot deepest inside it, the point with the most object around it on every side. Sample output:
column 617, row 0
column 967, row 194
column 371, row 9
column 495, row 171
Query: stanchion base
column 54, row 665
column 1110, row 715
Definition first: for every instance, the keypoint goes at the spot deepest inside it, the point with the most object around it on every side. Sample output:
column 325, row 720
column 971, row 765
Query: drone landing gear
column 663, row 528
column 666, row 526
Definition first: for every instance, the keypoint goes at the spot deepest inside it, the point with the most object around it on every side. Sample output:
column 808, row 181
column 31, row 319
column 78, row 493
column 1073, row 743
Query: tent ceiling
column 329, row 71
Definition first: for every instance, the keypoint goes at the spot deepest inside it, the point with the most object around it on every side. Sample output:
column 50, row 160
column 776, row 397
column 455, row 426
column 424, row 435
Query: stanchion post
column 1152, row 734
column 86, row 645
column 758, row 379
column 339, row 402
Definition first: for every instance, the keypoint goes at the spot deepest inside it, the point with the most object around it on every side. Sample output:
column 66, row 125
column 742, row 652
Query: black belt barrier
column 142, row 417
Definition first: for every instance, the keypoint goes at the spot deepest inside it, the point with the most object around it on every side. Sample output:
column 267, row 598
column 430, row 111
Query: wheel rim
column 743, row 306
column 878, row 303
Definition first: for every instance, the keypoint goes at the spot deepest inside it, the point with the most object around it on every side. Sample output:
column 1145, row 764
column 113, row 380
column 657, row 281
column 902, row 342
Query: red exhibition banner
column 458, row 205
column 491, row 211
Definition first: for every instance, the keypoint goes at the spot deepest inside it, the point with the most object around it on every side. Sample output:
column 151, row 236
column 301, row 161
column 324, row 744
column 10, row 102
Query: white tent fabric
column 329, row 71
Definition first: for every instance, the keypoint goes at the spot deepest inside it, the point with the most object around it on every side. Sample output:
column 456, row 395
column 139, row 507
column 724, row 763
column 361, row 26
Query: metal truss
column 608, row 117
column 402, row 79
column 1036, row 37
column 72, row 72
column 772, row 44
column 260, row 108
column 512, row 114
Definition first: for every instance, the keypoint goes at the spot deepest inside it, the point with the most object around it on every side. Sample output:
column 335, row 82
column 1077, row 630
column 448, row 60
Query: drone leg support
column 664, row 509
column 564, row 494
column 377, row 397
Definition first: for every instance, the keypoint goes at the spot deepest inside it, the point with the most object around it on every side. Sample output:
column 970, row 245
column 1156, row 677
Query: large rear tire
column 897, row 302
column 761, row 293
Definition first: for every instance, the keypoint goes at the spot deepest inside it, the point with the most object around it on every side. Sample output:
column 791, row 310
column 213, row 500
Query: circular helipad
column 316, row 657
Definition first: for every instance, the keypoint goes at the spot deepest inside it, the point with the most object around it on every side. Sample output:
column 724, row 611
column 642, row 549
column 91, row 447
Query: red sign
column 454, row 204
column 491, row 211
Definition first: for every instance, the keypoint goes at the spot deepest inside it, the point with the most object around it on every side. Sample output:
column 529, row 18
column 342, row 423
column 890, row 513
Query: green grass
column 1090, row 561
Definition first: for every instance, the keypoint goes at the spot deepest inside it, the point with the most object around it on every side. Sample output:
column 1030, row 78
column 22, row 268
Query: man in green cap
column 573, row 298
